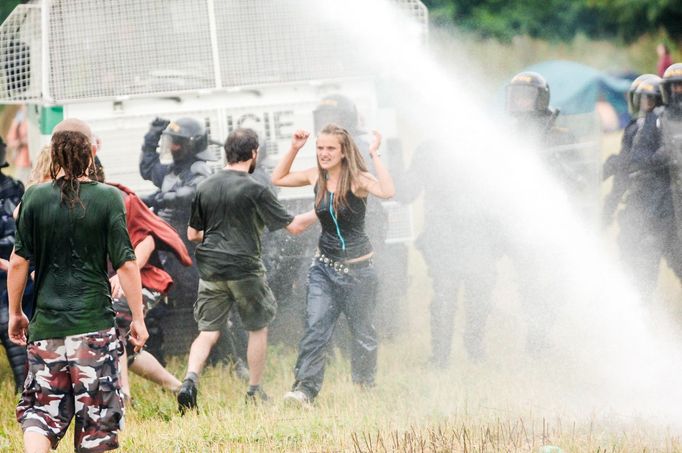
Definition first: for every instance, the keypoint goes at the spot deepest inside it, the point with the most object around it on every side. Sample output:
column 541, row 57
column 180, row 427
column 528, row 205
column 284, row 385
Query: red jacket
column 142, row 222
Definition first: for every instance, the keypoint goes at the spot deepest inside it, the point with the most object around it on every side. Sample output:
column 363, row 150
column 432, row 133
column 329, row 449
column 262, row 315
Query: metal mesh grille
column 20, row 56
column 105, row 48
column 102, row 49
column 400, row 227
column 280, row 44
column 418, row 12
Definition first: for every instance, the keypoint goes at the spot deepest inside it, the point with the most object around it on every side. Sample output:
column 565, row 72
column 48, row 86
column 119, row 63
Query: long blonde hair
column 41, row 168
column 351, row 168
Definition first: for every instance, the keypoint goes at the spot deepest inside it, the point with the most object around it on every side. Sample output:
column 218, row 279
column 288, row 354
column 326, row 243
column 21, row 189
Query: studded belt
column 340, row 266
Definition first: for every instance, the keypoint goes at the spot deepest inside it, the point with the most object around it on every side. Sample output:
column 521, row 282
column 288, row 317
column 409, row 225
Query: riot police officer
column 186, row 141
column 671, row 91
column 671, row 128
column 459, row 246
column 11, row 192
column 616, row 165
column 528, row 105
column 647, row 223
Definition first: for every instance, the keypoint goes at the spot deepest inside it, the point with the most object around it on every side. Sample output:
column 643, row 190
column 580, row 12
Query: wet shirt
column 343, row 233
column 232, row 208
column 70, row 247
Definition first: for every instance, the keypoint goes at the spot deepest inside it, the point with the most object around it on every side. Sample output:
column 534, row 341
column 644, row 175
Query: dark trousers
column 476, row 275
column 331, row 293
column 15, row 354
column 643, row 242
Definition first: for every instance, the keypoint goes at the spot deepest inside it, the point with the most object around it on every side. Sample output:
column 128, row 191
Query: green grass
column 468, row 407
column 509, row 403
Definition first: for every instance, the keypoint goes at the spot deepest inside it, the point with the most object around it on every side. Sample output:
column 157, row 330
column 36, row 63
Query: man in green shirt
column 229, row 211
column 69, row 228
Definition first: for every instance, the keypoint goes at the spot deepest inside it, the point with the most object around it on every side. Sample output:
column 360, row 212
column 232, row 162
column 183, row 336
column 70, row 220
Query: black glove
column 151, row 200
column 611, row 166
column 152, row 137
column 160, row 199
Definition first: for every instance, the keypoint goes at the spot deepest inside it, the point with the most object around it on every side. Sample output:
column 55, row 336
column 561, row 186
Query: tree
column 632, row 18
column 559, row 19
column 6, row 7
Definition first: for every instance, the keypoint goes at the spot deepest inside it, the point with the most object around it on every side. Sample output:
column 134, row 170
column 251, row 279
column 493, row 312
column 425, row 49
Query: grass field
column 461, row 409
column 508, row 403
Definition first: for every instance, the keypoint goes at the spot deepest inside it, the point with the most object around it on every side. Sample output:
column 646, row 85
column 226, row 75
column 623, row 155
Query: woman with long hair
column 342, row 278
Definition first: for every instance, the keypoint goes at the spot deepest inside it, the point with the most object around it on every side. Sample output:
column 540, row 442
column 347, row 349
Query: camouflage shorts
column 74, row 376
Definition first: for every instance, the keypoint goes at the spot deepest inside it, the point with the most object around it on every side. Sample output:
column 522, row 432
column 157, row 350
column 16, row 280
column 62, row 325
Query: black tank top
column 343, row 233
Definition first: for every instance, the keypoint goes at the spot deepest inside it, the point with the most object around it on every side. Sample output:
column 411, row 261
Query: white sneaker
column 297, row 398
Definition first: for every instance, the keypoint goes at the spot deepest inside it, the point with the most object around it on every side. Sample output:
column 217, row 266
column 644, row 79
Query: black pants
column 643, row 241
column 450, row 270
column 331, row 293
column 16, row 354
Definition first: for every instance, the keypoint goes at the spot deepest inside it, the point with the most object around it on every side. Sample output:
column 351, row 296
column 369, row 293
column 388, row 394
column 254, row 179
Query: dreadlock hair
column 96, row 171
column 352, row 166
column 72, row 154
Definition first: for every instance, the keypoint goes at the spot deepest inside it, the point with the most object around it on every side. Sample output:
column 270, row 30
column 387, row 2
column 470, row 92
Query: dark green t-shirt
column 232, row 208
column 70, row 248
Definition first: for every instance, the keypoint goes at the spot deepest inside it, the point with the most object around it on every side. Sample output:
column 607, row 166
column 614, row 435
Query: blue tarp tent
column 575, row 88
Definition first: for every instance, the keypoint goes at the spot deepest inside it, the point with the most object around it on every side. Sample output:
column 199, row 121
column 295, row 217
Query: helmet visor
column 521, row 98
column 676, row 94
column 172, row 147
column 646, row 102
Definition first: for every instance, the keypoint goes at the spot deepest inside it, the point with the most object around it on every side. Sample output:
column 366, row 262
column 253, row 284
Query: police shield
column 671, row 131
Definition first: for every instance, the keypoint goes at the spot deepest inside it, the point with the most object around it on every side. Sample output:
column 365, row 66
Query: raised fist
column 152, row 137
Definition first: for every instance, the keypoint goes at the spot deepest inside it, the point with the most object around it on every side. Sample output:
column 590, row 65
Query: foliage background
column 560, row 19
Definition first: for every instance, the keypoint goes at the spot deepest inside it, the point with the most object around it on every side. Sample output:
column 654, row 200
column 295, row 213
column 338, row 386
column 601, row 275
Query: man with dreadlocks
column 69, row 228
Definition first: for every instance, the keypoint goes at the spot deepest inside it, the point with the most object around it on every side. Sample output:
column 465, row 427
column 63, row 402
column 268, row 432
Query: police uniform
column 460, row 246
column 177, row 182
column 11, row 192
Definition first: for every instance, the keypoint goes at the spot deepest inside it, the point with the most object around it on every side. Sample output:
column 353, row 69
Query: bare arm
column 129, row 275
column 302, row 222
column 195, row 235
column 143, row 251
column 17, row 275
column 382, row 185
column 282, row 175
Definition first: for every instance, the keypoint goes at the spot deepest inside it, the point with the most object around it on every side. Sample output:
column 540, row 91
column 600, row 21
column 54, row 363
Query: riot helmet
column 184, row 139
column 527, row 94
column 3, row 154
column 633, row 108
column 648, row 94
column 336, row 109
column 671, row 87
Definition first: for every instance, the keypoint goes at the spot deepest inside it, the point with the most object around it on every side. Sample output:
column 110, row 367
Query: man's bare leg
column 198, row 354
column 201, row 348
column 123, row 369
column 146, row 365
column 256, row 353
